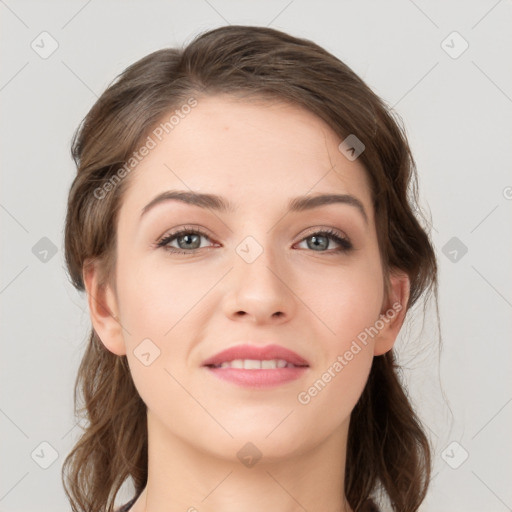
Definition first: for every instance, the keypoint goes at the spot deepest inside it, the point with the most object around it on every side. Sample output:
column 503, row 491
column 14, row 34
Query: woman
column 242, row 222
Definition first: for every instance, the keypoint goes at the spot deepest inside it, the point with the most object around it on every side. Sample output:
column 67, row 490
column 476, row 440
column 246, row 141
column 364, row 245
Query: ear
column 393, row 311
column 103, row 310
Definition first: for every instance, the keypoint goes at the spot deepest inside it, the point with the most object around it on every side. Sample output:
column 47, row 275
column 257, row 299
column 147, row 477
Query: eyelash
column 345, row 245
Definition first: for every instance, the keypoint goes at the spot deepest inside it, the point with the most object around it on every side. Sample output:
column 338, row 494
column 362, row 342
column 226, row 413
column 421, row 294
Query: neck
column 183, row 478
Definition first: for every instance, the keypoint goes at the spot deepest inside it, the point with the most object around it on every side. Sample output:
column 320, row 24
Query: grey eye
column 318, row 242
column 190, row 241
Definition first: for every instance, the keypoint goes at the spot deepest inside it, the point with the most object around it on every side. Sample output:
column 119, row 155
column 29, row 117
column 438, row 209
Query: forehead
column 254, row 151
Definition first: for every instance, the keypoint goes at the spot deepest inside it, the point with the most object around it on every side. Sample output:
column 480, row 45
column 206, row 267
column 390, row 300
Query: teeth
column 256, row 364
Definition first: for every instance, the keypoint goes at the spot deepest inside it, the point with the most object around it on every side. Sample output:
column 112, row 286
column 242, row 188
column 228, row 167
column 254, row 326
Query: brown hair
column 388, row 451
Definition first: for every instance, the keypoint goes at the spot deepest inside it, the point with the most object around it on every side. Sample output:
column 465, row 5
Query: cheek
column 347, row 302
column 345, row 354
column 155, row 305
column 155, row 297
column 335, row 389
column 159, row 306
column 346, row 299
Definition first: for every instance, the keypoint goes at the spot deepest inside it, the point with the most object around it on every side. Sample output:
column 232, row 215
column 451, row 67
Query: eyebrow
column 221, row 204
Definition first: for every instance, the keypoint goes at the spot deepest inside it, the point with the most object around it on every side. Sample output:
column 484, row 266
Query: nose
column 259, row 291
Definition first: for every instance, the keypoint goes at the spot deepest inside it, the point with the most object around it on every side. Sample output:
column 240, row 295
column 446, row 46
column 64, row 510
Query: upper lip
column 256, row 352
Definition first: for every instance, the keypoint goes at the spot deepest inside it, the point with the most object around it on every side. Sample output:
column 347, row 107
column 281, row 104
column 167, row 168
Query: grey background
column 457, row 115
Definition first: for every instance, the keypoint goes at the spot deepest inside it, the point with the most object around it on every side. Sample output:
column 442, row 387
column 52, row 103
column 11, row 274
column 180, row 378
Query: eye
column 320, row 241
column 188, row 241
column 185, row 238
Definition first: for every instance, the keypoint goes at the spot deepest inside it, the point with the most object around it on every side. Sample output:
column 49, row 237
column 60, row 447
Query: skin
column 258, row 156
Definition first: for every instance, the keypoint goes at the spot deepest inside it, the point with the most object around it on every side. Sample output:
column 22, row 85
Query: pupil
column 315, row 244
column 187, row 238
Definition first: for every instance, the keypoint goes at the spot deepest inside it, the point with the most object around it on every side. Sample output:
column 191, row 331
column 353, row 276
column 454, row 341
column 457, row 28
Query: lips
column 253, row 352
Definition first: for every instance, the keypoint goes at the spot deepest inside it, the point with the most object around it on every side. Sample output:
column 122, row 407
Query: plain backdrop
column 445, row 68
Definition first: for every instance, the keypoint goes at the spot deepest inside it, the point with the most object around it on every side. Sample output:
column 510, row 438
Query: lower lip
column 258, row 378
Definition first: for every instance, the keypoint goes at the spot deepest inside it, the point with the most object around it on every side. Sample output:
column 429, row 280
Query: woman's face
column 261, row 274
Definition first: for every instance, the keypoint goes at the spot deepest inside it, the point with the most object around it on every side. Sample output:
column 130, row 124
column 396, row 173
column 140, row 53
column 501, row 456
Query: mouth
column 254, row 357
column 256, row 364
column 257, row 367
